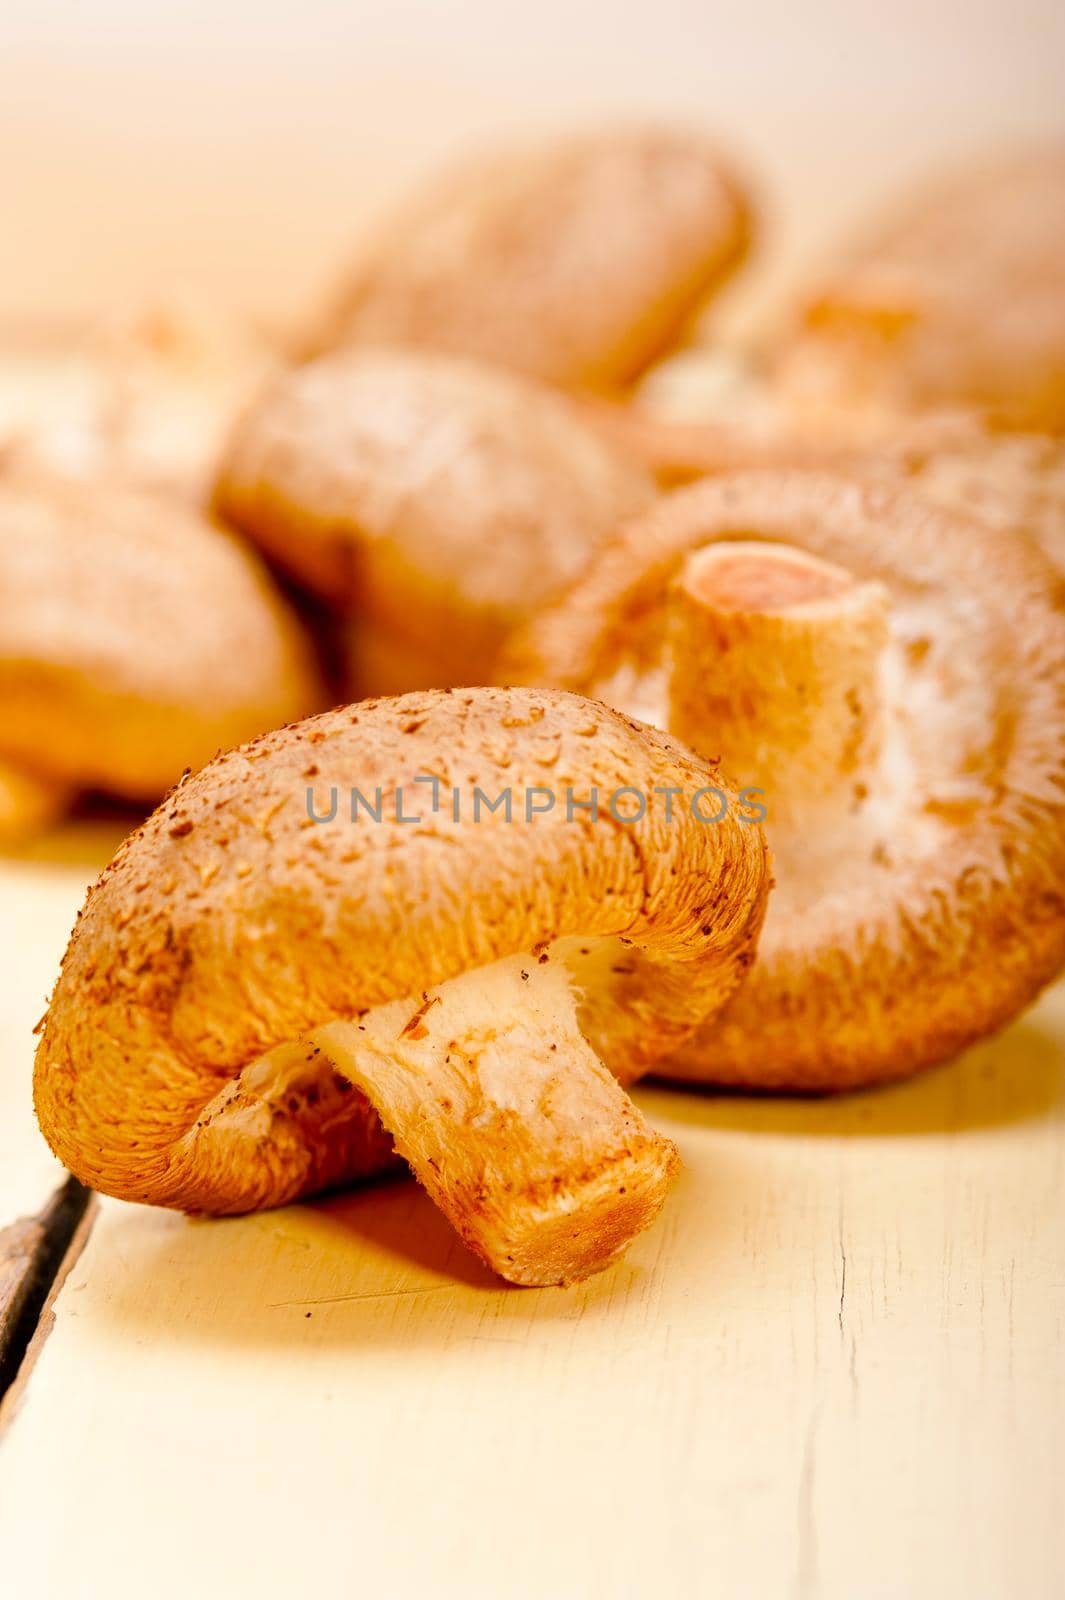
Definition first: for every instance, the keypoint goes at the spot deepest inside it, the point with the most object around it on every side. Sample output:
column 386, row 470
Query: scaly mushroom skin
column 961, row 301
column 239, row 967
column 576, row 262
column 135, row 639
column 919, row 901
column 435, row 501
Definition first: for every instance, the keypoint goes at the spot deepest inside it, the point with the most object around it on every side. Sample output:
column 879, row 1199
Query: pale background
column 236, row 149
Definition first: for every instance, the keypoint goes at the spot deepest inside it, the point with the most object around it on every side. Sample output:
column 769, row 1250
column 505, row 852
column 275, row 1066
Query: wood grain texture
column 834, row 1368
column 61, row 1230
column 32, row 1251
column 20, row 1249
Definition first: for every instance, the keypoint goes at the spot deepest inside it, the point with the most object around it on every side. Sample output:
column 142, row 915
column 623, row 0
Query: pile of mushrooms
column 323, row 953
column 255, row 1005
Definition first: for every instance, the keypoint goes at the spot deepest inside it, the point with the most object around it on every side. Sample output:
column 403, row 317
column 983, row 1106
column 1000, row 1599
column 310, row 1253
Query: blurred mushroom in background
column 959, row 300
column 136, row 640
column 431, row 502
column 682, row 433
column 145, row 397
column 577, row 260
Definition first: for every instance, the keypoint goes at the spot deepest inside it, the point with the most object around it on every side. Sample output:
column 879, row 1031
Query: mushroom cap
column 1011, row 480
column 230, row 922
column 136, row 639
column 146, row 398
column 935, row 911
column 576, row 261
column 962, row 299
column 436, row 500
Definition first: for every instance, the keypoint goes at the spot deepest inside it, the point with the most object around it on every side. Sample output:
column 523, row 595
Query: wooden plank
column 32, row 1251
column 834, row 1369
column 39, row 1208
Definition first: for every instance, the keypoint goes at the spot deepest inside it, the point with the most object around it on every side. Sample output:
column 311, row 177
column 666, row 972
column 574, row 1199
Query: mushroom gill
column 892, row 675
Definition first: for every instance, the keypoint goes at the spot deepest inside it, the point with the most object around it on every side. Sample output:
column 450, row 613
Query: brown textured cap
column 136, row 639
column 936, row 912
column 438, row 501
column 576, row 261
column 230, row 922
column 1010, row 480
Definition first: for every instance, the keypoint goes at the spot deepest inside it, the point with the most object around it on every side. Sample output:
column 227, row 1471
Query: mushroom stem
column 775, row 663
column 508, row 1118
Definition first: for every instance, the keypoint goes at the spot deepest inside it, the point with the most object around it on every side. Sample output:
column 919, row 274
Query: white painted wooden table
column 835, row 1368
